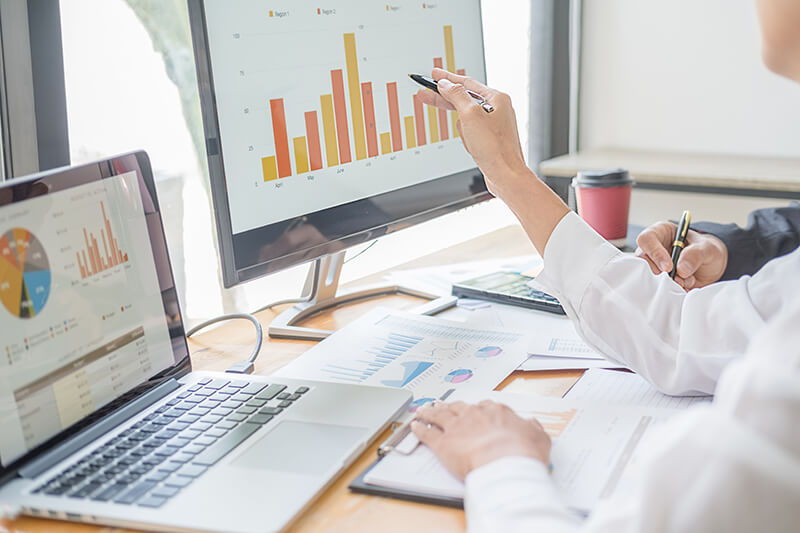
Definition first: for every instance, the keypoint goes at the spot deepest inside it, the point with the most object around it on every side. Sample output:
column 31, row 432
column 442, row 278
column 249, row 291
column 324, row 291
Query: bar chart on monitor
column 314, row 98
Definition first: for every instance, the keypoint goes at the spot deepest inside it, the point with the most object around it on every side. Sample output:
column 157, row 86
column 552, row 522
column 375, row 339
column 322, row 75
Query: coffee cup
column 604, row 199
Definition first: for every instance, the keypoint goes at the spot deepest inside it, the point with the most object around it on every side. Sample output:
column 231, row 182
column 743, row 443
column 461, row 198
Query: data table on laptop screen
column 314, row 103
column 81, row 312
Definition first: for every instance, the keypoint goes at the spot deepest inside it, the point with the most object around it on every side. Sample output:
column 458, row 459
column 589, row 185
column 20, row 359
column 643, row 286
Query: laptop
column 103, row 419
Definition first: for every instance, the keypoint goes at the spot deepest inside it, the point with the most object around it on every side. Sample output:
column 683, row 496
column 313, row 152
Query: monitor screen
column 88, row 309
column 315, row 138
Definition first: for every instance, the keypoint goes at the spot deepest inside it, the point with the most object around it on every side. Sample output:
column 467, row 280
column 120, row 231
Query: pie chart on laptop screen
column 24, row 273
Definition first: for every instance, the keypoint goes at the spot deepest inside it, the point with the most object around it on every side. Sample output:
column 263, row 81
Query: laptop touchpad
column 302, row 447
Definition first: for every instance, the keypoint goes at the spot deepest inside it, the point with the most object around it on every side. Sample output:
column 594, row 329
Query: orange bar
column 394, row 117
column 419, row 118
column 85, row 262
column 443, row 132
column 269, row 167
column 386, row 143
column 461, row 72
column 369, row 119
column 96, row 254
column 80, row 265
column 89, row 251
column 281, row 137
column 314, row 146
column 340, row 109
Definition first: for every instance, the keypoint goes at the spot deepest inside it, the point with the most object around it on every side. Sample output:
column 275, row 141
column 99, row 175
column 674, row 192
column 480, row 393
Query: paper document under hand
column 594, row 445
column 611, row 386
column 425, row 355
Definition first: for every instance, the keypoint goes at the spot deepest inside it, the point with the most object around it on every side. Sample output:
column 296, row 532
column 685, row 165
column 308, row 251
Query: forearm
column 770, row 233
column 679, row 342
column 536, row 206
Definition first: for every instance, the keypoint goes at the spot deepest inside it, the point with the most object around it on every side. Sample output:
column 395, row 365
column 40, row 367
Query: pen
column 429, row 83
column 391, row 444
column 680, row 240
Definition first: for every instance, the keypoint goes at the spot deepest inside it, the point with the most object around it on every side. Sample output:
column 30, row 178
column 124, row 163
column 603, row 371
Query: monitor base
column 321, row 292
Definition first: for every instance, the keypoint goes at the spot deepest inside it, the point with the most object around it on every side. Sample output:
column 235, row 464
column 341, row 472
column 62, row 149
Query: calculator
column 507, row 288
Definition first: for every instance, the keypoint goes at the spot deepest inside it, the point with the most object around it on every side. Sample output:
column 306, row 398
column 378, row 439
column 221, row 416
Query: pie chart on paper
column 488, row 351
column 458, row 376
column 24, row 273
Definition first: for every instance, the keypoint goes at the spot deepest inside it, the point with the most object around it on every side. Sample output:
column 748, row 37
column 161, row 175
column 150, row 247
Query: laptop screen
column 88, row 309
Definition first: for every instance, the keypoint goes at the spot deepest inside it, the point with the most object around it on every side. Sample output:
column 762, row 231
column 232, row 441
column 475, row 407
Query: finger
column 691, row 259
column 651, row 244
column 428, row 435
column 456, row 94
column 641, row 255
column 470, row 83
column 428, row 97
column 690, row 282
column 440, row 415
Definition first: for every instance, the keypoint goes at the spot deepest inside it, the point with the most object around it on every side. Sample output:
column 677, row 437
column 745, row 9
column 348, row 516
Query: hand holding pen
column 491, row 138
column 429, row 83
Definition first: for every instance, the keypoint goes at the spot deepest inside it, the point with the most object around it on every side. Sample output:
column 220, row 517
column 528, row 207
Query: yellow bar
column 270, row 167
column 300, row 154
column 329, row 128
column 450, row 65
column 433, row 124
column 449, row 53
column 386, row 143
column 411, row 134
column 354, row 87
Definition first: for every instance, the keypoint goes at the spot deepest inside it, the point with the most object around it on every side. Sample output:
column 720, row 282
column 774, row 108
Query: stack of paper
column 555, row 344
column 593, row 445
column 611, row 386
column 428, row 356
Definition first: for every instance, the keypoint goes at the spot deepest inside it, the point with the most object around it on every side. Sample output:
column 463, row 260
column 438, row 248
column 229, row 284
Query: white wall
column 682, row 75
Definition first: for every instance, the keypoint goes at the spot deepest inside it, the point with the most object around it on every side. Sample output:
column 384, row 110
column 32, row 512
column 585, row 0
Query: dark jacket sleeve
column 770, row 233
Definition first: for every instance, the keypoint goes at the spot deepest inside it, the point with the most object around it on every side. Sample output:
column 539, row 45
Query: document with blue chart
column 425, row 355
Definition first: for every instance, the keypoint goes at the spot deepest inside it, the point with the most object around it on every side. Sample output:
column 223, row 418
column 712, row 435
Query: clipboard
column 359, row 486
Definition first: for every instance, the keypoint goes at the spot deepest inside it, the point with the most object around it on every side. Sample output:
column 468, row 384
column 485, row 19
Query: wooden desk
column 338, row 510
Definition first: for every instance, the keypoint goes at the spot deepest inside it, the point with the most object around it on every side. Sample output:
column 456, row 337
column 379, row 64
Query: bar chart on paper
column 318, row 99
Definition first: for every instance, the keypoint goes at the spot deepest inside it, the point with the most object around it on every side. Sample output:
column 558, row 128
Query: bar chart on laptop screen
column 314, row 103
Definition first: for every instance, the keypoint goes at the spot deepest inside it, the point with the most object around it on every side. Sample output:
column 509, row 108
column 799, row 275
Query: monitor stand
column 320, row 292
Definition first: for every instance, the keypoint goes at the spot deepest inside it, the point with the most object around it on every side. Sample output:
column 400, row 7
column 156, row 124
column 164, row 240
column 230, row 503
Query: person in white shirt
column 731, row 466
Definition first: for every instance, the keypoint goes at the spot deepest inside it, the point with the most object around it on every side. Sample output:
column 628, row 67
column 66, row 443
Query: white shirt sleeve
column 678, row 341
column 732, row 467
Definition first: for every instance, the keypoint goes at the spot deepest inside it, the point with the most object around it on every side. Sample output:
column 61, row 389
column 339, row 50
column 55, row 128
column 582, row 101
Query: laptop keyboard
column 166, row 451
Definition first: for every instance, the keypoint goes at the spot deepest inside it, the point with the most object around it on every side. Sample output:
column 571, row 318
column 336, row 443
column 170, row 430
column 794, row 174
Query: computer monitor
column 315, row 139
